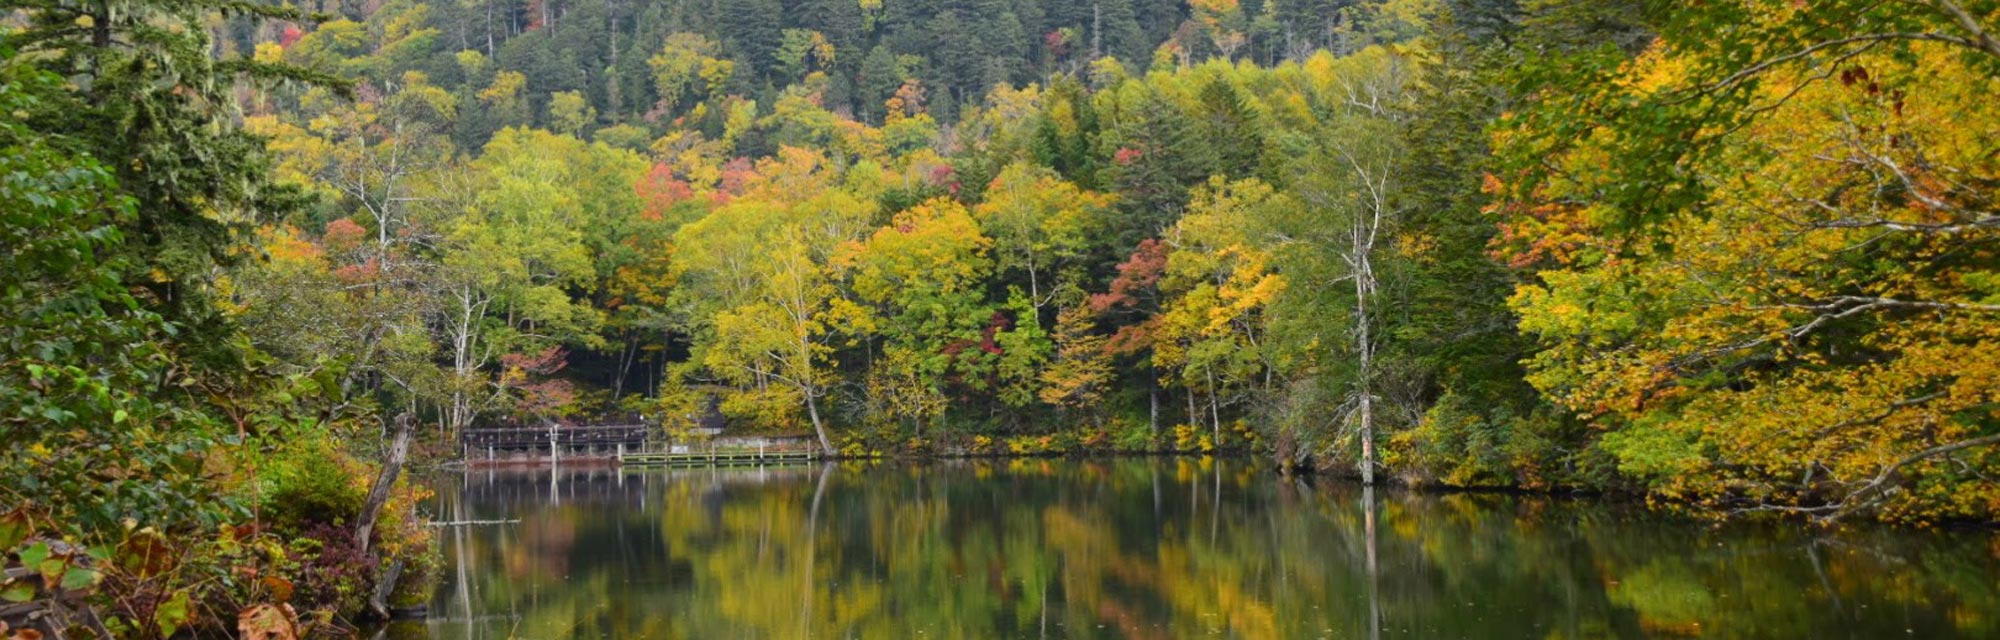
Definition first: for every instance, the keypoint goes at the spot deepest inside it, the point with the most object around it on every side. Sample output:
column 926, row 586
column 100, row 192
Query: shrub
column 1026, row 445
column 1093, row 440
column 1187, row 437
column 312, row 482
column 334, row 575
column 1133, row 436
column 422, row 567
column 1244, row 434
column 856, row 446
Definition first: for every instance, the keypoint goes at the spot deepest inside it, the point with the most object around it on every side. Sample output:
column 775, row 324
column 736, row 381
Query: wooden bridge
column 620, row 444
column 566, row 437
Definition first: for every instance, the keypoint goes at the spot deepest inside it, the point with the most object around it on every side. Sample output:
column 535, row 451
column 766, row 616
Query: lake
column 1154, row 548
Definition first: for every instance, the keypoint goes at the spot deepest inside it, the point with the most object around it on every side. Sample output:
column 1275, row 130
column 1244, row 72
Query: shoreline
column 1302, row 473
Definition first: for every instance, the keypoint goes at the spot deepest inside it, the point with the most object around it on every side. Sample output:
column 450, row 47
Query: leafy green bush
column 85, row 427
column 312, row 482
column 1132, row 436
column 1462, row 443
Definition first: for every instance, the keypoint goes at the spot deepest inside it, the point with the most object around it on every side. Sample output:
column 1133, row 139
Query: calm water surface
column 1154, row 549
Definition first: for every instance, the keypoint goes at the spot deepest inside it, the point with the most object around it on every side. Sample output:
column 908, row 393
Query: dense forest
column 1739, row 257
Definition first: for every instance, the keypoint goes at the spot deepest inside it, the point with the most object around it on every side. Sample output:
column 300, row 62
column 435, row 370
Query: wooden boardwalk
column 611, row 444
column 573, row 437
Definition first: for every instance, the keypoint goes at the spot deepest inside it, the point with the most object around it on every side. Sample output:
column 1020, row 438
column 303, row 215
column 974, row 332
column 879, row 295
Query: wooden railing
column 632, row 436
column 628, row 444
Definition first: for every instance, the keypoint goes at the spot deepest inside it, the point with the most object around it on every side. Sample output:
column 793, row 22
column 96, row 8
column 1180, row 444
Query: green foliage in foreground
column 135, row 418
column 83, row 358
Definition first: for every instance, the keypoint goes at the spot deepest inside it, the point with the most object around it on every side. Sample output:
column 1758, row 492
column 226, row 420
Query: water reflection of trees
column 1169, row 549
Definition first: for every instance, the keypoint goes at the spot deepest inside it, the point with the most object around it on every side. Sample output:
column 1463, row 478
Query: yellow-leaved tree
column 1767, row 262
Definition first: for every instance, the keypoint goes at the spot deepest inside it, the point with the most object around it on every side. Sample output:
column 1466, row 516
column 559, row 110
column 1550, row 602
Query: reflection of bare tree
column 461, row 556
column 1156, row 491
column 1819, row 570
column 812, row 550
column 1215, row 513
column 1374, row 574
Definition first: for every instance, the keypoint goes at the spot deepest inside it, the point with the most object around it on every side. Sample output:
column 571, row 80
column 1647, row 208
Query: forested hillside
column 649, row 63
column 1736, row 256
column 1548, row 245
column 1190, row 251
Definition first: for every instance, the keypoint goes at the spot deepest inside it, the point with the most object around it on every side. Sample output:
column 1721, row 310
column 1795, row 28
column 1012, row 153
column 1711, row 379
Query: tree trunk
column 625, row 358
column 1096, row 32
column 1034, row 285
column 379, row 600
column 392, row 467
column 1214, row 411
column 1364, row 385
column 1153, row 407
column 489, row 28
column 1364, row 286
column 819, row 427
column 611, row 77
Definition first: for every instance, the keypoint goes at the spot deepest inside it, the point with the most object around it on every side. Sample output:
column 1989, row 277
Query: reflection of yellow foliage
column 1667, row 596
